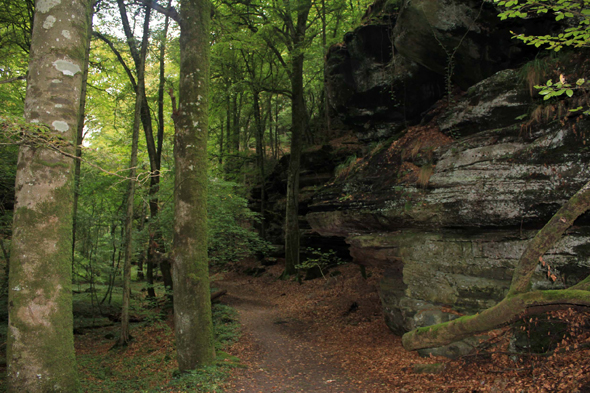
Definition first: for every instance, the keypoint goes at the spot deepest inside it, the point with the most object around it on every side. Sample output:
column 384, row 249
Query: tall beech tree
column 192, row 304
column 40, row 344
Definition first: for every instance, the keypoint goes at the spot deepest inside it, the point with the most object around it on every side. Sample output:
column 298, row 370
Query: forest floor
column 322, row 335
column 330, row 336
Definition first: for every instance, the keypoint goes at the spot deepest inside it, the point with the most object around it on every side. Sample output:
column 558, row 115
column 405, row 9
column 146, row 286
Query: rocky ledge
column 447, row 207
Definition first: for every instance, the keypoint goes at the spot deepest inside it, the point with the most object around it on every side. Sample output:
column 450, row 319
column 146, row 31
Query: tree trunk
column 146, row 117
column 125, row 337
column 298, row 125
column 228, row 120
column 508, row 310
column 192, row 304
column 221, row 133
column 519, row 301
column 292, row 213
column 236, row 123
column 79, row 136
column 40, row 346
column 325, row 92
column 156, row 243
column 260, row 157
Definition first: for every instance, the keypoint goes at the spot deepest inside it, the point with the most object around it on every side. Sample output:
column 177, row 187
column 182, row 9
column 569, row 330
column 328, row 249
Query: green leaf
column 569, row 92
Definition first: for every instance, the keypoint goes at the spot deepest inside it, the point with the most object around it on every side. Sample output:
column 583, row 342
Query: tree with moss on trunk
column 192, row 304
column 521, row 300
column 40, row 347
column 193, row 324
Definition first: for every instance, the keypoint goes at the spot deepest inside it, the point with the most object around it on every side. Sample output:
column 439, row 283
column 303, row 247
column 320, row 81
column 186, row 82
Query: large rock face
column 372, row 90
column 463, row 39
column 392, row 69
column 455, row 188
column 449, row 206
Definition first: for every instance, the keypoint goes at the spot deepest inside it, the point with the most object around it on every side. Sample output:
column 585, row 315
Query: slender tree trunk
column 326, row 95
column 156, row 243
column 228, row 120
column 277, row 145
column 298, row 126
column 236, row 122
column 146, row 117
column 260, row 156
column 192, row 304
column 40, row 346
column 125, row 337
column 221, row 132
column 271, row 138
column 79, row 136
column 292, row 235
column 151, row 293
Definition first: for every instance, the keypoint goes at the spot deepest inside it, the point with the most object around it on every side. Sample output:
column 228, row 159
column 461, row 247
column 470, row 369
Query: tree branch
column 119, row 57
column 169, row 12
column 546, row 238
column 10, row 80
column 507, row 311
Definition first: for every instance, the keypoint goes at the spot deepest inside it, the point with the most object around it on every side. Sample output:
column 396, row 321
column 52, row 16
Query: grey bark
column 192, row 304
column 40, row 347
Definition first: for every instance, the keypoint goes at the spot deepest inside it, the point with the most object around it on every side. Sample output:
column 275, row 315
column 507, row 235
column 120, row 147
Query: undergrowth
column 148, row 364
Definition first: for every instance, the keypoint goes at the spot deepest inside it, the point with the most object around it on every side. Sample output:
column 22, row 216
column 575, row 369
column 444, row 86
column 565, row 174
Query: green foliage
column 551, row 90
column 205, row 379
column 576, row 34
column 117, row 371
column 577, row 11
column 15, row 38
column 227, row 327
column 231, row 237
column 321, row 260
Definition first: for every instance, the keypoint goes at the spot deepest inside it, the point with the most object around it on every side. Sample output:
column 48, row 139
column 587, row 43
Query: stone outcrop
column 448, row 207
column 452, row 188
column 372, row 90
column 394, row 67
column 463, row 39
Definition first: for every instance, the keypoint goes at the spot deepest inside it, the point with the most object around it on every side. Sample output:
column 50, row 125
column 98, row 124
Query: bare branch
column 10, row 80
column 119, row 57
column 169, row 12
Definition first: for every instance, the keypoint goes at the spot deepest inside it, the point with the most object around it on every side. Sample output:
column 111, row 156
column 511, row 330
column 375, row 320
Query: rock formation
column 456, row 181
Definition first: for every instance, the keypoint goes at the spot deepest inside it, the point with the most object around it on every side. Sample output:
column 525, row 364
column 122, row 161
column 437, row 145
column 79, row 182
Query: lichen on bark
column 40, row 347
column 192, row 304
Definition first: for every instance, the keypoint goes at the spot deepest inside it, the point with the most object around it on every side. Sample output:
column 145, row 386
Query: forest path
column 279, row 355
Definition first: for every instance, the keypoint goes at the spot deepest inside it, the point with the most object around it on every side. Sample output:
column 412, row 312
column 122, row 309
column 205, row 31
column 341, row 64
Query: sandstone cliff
column 459, row 175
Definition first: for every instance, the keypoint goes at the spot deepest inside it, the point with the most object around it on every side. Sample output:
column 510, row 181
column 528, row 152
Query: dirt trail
column 280, row 357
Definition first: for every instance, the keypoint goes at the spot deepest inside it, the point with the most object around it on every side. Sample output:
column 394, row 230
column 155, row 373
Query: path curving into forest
column 279, row 356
